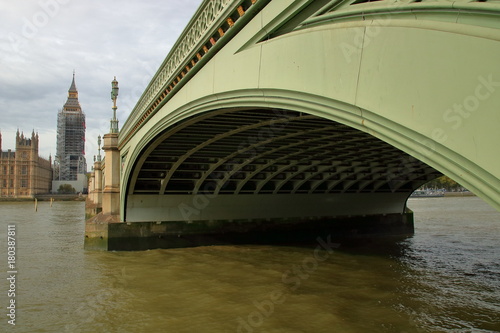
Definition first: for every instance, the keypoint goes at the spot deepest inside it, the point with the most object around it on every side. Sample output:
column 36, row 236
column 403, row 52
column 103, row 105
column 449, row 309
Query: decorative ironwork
column 209, row 25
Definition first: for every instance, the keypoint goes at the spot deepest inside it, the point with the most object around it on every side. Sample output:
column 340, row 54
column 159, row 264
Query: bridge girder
column 273, row 152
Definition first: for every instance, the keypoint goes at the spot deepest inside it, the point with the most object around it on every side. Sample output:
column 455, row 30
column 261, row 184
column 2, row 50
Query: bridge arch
column 382, row 157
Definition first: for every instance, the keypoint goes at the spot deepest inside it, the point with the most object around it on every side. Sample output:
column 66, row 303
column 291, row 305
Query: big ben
column 70, row 156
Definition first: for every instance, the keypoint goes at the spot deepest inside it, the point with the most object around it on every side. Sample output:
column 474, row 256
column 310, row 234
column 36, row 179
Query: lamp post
column 99, row 148
column 111, row 186
column 114, row 95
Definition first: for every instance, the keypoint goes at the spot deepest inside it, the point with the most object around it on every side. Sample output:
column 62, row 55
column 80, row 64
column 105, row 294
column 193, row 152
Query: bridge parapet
column 215, row 22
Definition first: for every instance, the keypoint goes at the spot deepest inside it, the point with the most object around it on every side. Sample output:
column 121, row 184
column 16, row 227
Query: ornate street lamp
column 99, row 148
column 114, row 95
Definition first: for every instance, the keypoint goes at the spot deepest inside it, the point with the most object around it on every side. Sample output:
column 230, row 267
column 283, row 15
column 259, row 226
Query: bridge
column 281, row 117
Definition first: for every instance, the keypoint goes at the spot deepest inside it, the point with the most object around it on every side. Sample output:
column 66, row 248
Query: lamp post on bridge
column 111, row 191
column 98, row 176
column 99, row 148
column 114, row 95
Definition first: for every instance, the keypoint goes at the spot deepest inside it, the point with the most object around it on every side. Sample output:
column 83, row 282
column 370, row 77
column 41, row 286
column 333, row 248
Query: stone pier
column 103, row 209
column 106, row 233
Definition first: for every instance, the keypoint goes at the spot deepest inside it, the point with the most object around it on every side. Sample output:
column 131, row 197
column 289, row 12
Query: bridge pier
column 133, row 236
column 93, row 205
column 111, row 192
column 104, row 209
column 98, row 185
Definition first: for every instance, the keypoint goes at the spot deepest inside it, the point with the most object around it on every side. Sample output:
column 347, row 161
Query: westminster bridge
column 285, row 117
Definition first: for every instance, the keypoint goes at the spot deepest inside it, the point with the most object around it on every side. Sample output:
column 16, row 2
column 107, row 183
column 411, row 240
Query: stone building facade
column 23, row 173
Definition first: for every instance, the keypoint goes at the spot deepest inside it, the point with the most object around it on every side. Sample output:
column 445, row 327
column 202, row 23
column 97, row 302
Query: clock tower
column 70, row 163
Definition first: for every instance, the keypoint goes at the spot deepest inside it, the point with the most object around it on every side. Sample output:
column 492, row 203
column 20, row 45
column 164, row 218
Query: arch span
column 271, row 145
column 411, row 161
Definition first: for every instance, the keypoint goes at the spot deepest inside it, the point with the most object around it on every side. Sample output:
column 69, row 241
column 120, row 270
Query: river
column 446, row 278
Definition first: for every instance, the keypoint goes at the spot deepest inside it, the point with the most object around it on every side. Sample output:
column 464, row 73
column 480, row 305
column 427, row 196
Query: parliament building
column 23, row 173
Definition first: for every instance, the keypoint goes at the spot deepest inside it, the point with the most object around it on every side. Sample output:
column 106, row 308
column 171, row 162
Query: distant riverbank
column 83, row 197
column 459, row 194
column 47, row 197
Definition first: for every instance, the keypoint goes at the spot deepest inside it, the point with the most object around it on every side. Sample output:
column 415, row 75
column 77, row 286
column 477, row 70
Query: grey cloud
column 40, row 46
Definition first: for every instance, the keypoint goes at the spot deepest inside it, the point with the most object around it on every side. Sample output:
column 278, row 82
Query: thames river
column 446, row 278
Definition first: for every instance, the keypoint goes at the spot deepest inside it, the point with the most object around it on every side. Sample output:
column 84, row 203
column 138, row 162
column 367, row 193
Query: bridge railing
column 210, row 23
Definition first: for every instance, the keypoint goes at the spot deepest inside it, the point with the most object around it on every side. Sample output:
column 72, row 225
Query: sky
column 43, row 41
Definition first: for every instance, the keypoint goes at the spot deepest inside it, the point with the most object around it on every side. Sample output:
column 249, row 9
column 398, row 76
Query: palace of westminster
column 24, row 174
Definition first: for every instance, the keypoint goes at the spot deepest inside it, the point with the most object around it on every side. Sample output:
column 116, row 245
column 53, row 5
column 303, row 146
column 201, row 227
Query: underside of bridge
column 272, row 152
column 246, row 171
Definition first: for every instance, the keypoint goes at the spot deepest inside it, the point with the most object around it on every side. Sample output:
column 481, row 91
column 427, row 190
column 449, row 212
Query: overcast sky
column 43, row 41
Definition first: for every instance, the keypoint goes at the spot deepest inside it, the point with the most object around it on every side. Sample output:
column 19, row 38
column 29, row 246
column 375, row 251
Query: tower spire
column 72, row 104
column 72, row 88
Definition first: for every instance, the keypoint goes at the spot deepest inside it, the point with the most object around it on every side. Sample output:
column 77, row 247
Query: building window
column 24, row 170
column 4, row 183
column 12, row 183
column 4, row 170
column 11, row 170
column 24, row 183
